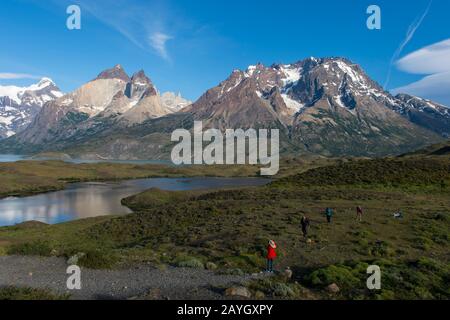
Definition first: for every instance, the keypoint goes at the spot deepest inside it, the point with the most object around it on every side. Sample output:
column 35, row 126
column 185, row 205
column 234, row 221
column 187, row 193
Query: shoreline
column 50, row 176
column 220, row 184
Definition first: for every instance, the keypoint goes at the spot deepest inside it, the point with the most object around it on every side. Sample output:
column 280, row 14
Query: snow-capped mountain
column 327, row 106
column 425, row 113
column 290, row 89
column 19, row 105
column 112, row 99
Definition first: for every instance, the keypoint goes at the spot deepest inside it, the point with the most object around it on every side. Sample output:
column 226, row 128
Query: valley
column 229, row 229
column 213, row 158
column 344, row 142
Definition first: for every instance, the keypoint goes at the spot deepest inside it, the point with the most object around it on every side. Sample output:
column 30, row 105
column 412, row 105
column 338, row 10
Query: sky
column 190, row 46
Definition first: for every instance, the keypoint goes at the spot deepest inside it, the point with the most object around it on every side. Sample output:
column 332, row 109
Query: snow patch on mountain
column 292, row 74
column 174, row 102
column 19, row 105
column 250, row 71
column 344, row 67
column 6, row 120
column 11, row 92
column 291, row 103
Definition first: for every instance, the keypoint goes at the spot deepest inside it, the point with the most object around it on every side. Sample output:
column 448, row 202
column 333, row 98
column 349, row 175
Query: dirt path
column 172, row 283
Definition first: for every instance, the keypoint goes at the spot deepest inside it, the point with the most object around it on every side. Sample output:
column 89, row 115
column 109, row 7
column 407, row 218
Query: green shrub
column 13, row 293
column 442, row 217
column 385, row 295
column 283, row 290
column 381, row 249
column 276, row 287
column 247, row 262
column 421, row 279
column 232, row 272
column 342, row 275
column 375, row 249
column 98, row 259
column 36, row 248
column 190, row 262
column 428, row 264
column 423, row 243
column 210, row 265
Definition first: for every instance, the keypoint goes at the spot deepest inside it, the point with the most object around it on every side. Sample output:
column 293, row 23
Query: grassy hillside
column 409, row 173
column 230, row 228
column 440, row 149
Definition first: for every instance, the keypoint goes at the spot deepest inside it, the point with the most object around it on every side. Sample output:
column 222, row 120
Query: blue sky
column 192, row 45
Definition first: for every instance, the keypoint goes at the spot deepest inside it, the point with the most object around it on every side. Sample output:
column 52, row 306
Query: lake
column 85, row 200
column 11, row 157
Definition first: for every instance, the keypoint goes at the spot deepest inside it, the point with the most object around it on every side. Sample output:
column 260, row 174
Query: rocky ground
column 141, row 282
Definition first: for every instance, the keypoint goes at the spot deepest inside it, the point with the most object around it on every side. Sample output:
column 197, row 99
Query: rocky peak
column 46, row 82
column 290, row 89
column 140, row 77
column 174, row 102
column 46, row 87
column 429, row 114
column 117, row 72
column 419, row 102
column 140, row 86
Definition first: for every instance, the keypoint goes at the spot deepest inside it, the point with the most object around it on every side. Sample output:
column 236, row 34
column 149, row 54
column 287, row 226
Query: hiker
column 305, row 226
column 329, row 214
column 271, row 255
column 359, row 213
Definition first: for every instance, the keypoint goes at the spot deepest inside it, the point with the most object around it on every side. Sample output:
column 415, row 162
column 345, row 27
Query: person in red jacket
column 271, row 255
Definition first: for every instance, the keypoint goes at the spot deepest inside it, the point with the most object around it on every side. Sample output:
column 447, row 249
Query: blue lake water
column 85, row 200
column 11, row 157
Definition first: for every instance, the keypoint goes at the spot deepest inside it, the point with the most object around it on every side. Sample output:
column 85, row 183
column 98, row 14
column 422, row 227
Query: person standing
column 329, row 214
column 305, row 226
column 359, row 213
column 271, row 255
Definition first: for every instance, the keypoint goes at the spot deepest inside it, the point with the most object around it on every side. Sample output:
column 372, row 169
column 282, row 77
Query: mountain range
column 326, row 106
column 19, row 105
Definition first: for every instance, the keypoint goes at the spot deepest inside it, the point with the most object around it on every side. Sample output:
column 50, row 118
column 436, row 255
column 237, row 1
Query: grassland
column 230, row 228
column 31, row 177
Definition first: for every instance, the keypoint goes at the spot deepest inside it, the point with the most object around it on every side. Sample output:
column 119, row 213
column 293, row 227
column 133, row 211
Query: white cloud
column 409, row 35
column 14, row 76
column 433, row 61
column 143, row 23
column 429, row 60
column 158, row 42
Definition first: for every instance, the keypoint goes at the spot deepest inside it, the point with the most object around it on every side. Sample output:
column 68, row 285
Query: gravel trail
column 172, row 283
